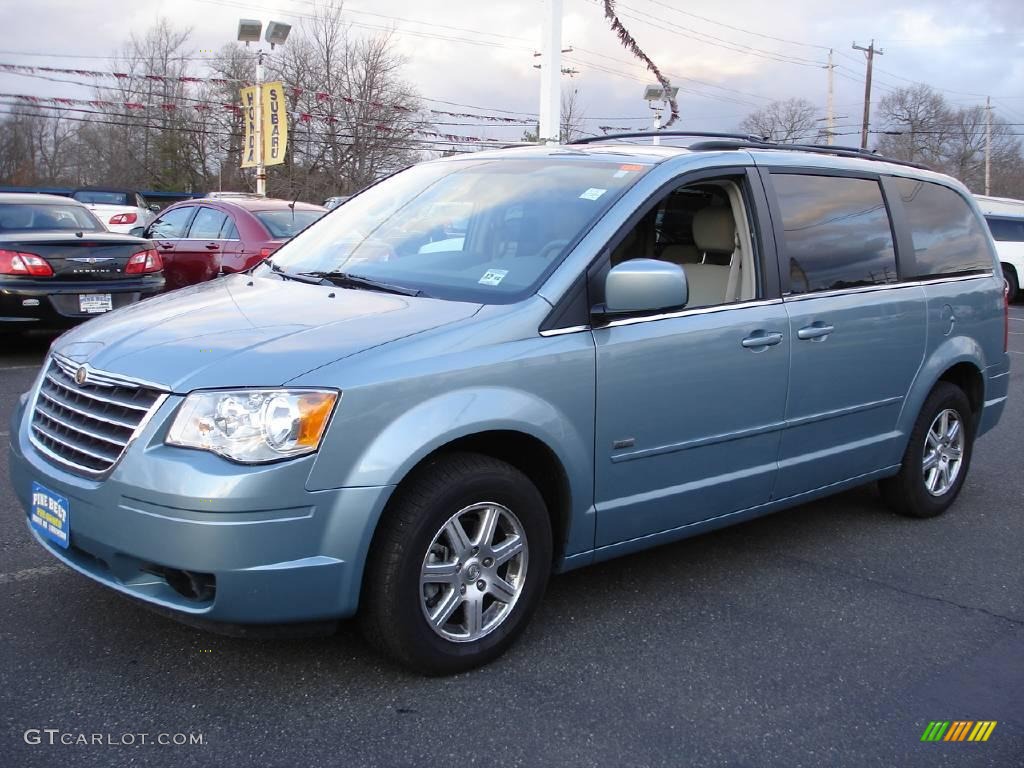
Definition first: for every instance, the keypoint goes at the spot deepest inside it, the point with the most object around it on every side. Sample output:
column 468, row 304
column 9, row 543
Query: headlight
column 253, row 425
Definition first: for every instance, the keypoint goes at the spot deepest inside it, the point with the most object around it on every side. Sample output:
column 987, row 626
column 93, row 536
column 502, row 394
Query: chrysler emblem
column 81, row 375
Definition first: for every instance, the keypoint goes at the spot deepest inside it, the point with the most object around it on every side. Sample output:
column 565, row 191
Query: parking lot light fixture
column 249, row 30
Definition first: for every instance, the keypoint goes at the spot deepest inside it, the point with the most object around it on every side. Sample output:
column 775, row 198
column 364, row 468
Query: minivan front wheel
column 937, row 457
column 459, row 563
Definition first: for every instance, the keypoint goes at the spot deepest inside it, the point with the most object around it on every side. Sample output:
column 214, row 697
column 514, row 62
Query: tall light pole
column 830, row 109
column 656, row 98
column 249, row 32
column 550, row 74
column 988, row 144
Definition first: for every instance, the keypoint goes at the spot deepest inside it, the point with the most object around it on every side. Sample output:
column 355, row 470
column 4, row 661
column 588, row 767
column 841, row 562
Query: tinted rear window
column 948, row 237
column 1006, row 230
column 283, row 225
column 836, row 232
column 104, row 198
column 18, row 217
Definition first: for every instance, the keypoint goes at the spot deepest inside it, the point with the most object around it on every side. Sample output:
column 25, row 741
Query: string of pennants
column 303, row 117
column 296, row 91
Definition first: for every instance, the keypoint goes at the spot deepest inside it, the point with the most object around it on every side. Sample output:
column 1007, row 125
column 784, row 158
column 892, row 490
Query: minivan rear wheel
column 458, row 565
column 937, row 457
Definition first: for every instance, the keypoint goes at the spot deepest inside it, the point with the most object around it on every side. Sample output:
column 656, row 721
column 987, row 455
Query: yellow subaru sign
column 273, row 126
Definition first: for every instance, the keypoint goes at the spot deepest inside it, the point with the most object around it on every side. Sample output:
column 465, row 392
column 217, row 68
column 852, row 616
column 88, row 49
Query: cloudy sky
column 737, row 55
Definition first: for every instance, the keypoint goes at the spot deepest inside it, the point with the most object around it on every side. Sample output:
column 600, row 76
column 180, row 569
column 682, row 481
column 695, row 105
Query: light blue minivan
column 490, row 368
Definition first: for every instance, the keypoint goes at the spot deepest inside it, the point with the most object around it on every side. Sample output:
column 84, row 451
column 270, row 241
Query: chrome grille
column 87, row 426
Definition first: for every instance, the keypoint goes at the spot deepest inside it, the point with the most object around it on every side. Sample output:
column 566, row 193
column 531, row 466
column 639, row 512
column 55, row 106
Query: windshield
column 19, row 217
column 485, row 231
column 282, row 225
column 102, row 198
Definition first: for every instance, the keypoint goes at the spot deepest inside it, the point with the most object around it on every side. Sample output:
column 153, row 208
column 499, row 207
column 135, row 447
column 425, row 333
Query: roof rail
column 652, row 134
column 817, row 149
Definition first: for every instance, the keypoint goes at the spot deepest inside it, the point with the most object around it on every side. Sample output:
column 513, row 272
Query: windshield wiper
column 299, row 277
column 349, row 280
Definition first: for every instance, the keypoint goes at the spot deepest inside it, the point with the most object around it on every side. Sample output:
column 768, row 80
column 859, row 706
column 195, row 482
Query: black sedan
column 59, row 265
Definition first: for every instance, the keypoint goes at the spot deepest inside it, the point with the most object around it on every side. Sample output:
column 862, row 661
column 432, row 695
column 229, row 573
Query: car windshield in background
column 103, row 198
column 487, row 230
column 26, row 217
column 282, row 224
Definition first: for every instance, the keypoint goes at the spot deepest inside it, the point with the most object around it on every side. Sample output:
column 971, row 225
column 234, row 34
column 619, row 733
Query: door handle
column 166, row 246
column 815, row 330
column 760, row 339
column 212, row 247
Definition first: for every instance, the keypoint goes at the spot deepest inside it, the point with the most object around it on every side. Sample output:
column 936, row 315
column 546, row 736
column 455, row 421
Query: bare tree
column 787, row 122
column 573, row 114
column 918, row 120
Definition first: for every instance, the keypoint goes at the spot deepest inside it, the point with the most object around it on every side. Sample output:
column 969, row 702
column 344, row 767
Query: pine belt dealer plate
column 95, row 303
column 51, row 515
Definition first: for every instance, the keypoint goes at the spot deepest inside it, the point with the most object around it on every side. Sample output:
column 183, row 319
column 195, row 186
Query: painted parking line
column 19, row 367
column 31, row 573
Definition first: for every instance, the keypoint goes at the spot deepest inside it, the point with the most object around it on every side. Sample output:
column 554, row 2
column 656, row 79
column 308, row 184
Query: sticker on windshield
column 592, row 194
column 493, row 277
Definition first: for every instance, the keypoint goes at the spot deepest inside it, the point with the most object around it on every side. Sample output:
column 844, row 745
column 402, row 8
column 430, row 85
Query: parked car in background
column 1005, row 218
column 60, row 266
column 333, row 202
column 201, row 239
column 120, row 210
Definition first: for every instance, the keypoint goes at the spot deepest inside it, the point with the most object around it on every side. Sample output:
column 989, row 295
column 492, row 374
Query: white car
column 1005, row 218
column 120, row 210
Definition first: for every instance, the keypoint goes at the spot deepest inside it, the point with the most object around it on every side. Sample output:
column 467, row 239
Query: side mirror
column 644, row 285
column 136, row 231
column 154, row 208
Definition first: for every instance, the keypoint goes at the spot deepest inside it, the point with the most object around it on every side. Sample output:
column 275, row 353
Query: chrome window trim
column 886, row 286
column 664, row 316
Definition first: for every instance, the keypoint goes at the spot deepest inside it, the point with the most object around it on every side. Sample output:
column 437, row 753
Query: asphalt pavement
column 829, row 634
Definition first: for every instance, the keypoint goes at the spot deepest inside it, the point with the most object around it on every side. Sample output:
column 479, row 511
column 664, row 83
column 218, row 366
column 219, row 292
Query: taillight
column 144, row 262
column 18, row 263
column 123, row 218
column 264, row 252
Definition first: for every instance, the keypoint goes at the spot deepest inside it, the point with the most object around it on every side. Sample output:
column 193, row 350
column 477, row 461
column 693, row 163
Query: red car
column 201, row 239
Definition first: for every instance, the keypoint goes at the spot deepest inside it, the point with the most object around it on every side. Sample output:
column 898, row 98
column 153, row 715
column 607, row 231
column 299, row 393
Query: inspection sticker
column 592, row 194
column 493, row 277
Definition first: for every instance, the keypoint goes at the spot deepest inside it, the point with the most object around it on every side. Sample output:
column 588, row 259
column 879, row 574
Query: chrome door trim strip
column 885, row 287
column 664, row 316
column 700, row 442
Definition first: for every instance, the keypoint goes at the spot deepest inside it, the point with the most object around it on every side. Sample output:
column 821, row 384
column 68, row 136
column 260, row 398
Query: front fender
column 393, row 451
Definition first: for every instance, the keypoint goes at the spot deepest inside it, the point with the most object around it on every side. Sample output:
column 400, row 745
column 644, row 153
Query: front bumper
column 272, row 551
column 54, row 304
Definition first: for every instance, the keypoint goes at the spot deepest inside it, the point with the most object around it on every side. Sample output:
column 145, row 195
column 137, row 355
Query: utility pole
column 988, row 144
column 551, row 73
column 261, row 169
column 830, row 114
column 869, row 52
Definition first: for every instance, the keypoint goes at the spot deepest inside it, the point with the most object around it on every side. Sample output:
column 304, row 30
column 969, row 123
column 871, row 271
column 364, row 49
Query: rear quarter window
column 1006, row 230
column 948, row 237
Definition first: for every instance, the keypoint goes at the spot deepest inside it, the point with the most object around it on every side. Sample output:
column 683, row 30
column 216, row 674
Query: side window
column 1006, row 230
column 948, row 238
column 172, row 224
column 207, row 224
column 703, row 228
column 230, row 231
column 836, row 232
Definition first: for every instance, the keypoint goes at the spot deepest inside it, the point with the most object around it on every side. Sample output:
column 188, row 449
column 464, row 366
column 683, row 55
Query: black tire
column 392, row 616
column 1012, row 283
column 906, row 492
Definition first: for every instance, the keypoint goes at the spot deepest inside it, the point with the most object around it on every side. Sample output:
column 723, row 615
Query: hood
column 249, row 331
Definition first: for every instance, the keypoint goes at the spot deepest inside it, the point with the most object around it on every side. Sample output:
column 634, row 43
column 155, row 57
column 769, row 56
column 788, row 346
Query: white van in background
column 1005, row 218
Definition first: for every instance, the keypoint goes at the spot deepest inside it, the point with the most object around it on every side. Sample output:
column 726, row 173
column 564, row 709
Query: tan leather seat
column 680, row 254
column 714, row 232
